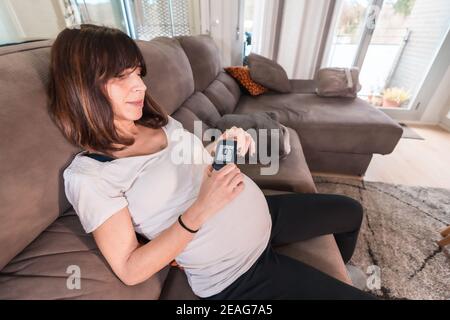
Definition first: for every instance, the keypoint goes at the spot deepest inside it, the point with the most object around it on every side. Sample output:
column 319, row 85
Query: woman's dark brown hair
column 82, row 61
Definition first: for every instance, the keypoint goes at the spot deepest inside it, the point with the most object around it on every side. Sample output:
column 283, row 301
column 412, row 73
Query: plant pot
column 377, row 101
column 390, row 103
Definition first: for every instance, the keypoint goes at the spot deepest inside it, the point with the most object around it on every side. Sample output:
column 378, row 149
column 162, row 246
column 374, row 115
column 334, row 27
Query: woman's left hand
column 245, row 141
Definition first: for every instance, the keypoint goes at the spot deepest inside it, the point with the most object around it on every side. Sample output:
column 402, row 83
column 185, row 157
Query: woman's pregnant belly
column 229, row 243
column 237, row 232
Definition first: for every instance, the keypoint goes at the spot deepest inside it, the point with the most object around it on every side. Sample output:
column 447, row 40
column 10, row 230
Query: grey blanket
column 259, row 120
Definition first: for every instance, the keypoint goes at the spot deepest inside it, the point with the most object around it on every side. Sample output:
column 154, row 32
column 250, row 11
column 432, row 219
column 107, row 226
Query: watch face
column 225, row 153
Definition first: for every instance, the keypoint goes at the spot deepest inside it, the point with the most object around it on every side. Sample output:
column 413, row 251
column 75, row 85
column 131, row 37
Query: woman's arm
column 133, row 262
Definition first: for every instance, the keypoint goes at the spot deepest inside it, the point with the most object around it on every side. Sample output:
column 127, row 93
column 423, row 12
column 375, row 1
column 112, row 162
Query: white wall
column 38, row 18
column 9, row 30
column 439, row 102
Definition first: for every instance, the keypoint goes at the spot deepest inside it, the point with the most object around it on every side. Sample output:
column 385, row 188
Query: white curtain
column 264, row 27
column 220, row 20
column 299, row 38
column 71, row 12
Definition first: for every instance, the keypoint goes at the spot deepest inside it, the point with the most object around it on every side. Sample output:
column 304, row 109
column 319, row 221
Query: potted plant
column 394, row 97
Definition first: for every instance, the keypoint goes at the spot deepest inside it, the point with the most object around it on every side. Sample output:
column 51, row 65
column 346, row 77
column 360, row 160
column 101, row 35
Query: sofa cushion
column 242, row 76
column 321, row 253
column 338, row 82
column 169, row 78
column 330, row 124
column 224, row 93
column 268, row 73
column 293, row 173
column 231, row 85
column 32, row 149
column 221, row 97
column 177, row 287
column 44, row 268
column 303, row 85
column 204, row 57
column 203, row 108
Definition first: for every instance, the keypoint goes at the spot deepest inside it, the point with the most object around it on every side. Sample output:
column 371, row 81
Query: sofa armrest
column 303, row 86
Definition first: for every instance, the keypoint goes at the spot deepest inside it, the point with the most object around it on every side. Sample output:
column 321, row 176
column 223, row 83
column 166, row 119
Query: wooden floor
column 415, row 162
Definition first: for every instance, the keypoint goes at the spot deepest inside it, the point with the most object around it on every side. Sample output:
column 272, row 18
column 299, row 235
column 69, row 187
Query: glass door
column 349, row 30
column 405, row 40
column 393, row 42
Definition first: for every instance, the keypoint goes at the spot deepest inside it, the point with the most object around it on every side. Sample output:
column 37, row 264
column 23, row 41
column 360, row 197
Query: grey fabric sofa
column 44, row 252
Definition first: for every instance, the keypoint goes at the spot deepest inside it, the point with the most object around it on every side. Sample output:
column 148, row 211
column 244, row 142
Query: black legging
column 297, row 217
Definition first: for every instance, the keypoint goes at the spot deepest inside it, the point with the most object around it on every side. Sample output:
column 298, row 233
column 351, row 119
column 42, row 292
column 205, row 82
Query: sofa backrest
column 169, row 78
column 204, row 56
column 209, row 76
column 32, row 150
column 219, row 89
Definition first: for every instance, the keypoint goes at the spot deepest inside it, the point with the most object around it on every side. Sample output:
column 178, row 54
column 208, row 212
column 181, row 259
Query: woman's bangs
column 123, row 55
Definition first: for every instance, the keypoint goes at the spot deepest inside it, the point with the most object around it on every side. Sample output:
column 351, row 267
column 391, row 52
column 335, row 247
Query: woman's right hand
column 219, row 187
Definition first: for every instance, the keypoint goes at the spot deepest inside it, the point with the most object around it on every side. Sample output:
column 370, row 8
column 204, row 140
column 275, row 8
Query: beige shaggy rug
column 398, row 235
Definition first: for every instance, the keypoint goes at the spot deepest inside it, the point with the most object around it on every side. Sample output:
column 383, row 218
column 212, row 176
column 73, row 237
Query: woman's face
column 127, row 94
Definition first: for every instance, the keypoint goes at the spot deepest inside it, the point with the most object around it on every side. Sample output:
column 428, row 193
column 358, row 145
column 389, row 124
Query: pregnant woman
column 130, row 178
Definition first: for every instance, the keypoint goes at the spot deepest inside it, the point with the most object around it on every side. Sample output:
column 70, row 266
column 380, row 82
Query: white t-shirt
column 157, row 188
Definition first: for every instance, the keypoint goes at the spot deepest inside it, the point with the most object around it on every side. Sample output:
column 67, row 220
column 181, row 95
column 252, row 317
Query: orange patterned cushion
column 242, row 75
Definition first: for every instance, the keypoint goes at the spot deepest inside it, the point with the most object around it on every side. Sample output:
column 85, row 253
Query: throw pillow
column 338, row 82
column 268, row 73
column 242, row 75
